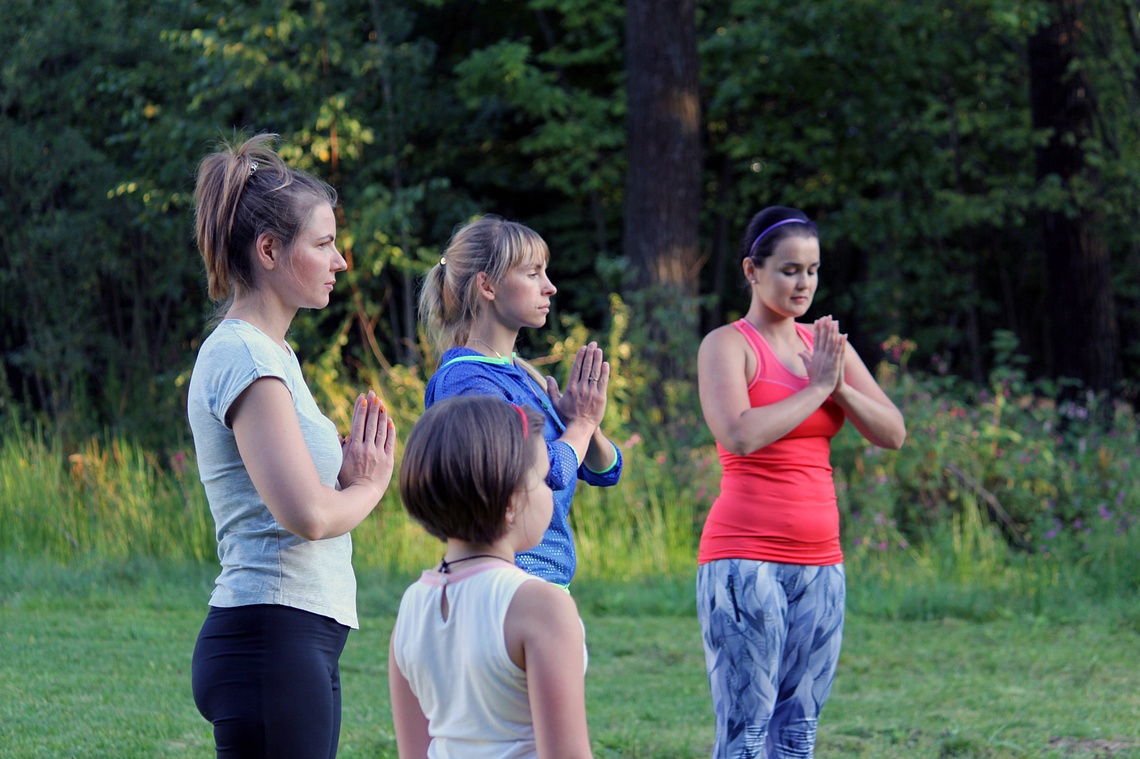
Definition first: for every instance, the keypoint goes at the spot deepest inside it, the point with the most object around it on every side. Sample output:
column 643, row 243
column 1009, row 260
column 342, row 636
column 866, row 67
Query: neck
column 458, row 550
column 770, row 324
column 492, row 342
column 270, row 317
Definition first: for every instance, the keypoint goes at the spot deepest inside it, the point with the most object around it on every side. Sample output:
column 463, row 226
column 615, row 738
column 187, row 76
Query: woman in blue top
column 491, row 283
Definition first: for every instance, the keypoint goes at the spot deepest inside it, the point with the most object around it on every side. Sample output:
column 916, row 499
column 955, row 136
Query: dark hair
column 449, row 301
column 243, row 191
column 464, row 461
column 764, row 221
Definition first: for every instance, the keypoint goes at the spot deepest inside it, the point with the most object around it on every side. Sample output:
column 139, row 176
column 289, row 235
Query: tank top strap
column 760, row 348
column 765, row 358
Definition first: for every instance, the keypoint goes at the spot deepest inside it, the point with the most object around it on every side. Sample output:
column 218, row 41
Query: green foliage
column 1047, row 475
column 904, row 128
column 107, row 499
column 1000, row 502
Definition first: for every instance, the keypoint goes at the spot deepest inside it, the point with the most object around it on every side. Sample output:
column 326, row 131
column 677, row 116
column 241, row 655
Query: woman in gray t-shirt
column 283, row 488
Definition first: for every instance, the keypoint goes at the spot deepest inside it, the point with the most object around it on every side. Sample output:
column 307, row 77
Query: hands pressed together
column 825, row 362
column 584, row 397
column 369, row 450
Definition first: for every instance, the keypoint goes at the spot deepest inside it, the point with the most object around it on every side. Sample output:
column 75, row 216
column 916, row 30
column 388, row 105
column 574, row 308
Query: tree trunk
column 662, row 200
column 1081, row 333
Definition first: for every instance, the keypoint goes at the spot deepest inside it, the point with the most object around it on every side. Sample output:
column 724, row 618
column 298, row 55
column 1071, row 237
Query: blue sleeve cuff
column 564, row 464
column 607, row 478
column 611, row 467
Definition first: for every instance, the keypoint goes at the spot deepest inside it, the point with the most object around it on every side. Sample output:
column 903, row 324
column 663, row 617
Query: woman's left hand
column 826, row 361
column 584, row 399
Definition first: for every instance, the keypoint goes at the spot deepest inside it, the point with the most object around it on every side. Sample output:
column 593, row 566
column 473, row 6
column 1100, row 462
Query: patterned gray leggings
column 772, row 635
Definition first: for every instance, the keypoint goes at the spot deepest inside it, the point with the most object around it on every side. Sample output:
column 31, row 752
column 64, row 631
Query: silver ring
column 592, row 379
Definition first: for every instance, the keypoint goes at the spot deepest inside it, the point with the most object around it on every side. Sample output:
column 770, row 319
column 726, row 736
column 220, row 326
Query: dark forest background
column 973, row 167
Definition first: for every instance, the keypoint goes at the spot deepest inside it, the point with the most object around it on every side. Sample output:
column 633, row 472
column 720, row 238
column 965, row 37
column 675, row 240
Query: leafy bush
column 1001, row 500
column 1045, row 473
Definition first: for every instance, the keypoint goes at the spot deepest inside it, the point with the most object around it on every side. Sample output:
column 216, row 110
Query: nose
column 339, row 264
column 550, row 288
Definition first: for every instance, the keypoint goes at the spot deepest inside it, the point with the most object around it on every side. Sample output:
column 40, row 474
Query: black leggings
column 267, row 678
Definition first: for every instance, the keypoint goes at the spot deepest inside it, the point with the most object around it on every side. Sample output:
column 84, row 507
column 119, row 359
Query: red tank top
column 778, row 503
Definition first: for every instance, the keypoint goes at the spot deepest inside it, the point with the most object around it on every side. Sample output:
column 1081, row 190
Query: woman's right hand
column 583, row 401
column 369, row 450
column 825, row 361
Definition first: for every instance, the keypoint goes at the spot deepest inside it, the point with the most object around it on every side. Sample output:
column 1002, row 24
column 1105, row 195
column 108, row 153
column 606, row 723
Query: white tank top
column 473, row 695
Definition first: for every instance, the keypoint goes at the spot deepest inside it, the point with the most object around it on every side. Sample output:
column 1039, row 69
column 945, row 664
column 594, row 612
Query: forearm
column 412, row 736
column 763, row 425
column 325, row 512
column 881, row 423
column 579, row 435
column 601, row 455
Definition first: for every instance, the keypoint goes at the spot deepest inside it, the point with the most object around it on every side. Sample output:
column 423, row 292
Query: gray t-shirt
column 262, row 562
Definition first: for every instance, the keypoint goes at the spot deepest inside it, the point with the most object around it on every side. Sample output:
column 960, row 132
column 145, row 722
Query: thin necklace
column 529, row 382
column 477, row 340
column 445, row 565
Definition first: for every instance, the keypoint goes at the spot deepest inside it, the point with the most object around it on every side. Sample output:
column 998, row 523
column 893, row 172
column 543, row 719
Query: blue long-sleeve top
column 466, row 372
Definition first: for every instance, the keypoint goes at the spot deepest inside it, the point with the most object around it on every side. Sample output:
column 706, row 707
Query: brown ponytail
column 243, row 191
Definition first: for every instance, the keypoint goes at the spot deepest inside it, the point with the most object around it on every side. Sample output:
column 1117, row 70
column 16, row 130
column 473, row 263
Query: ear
column 267, row 251
column 748, row 266
column 484, row 285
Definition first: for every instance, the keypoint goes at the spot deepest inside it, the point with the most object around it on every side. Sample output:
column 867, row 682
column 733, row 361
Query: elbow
column 737, row 445
column 309, row 534
column 895, row 439
column 308, row 529
column 307, row 526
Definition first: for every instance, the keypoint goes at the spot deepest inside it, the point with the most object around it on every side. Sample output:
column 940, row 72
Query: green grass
column 94, row 662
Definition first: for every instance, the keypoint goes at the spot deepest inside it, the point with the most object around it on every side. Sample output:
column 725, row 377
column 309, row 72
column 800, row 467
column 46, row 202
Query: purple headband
column 760, row 236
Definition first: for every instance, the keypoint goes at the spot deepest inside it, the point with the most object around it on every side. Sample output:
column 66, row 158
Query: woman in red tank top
column 771, row 586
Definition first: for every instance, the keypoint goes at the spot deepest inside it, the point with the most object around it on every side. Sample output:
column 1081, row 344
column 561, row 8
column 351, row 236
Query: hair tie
column 526, row 422
column 443, row 260
column 252, row 167
column 760, row 236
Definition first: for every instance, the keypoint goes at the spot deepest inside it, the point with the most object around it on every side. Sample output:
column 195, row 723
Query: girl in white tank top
column 486, row 661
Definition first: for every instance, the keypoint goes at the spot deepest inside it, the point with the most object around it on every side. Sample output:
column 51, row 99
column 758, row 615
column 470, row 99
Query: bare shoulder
column 542, row 602
column 542, row 618
column 723, row 339
column 723, row 333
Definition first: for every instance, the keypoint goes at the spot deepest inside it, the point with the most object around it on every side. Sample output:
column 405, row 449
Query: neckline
column 470, row 354
column 286, row 348
column 440, row 579
column 772, row 352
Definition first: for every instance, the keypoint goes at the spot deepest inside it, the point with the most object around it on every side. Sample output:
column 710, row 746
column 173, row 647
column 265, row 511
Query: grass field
column 94, row 663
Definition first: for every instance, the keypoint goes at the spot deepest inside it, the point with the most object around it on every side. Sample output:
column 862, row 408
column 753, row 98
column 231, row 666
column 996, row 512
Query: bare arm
column 273, row 450
column 412, row 737
column 544, row 636
column 867, row 406
column 723, row 385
